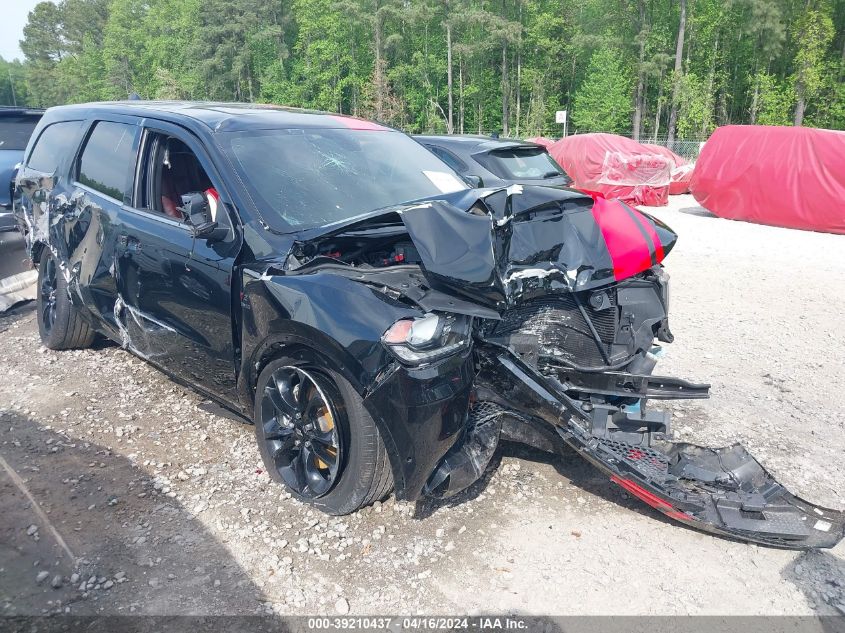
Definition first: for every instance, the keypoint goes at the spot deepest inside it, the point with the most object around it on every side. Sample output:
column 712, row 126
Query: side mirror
column 474, row 181
column 195, row 207
column 210, row 231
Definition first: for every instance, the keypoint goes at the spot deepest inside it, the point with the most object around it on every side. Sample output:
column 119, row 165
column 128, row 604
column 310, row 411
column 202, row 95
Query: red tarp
column 681, row 169
column 541, row 140
column 784, row 176
column 616, row 167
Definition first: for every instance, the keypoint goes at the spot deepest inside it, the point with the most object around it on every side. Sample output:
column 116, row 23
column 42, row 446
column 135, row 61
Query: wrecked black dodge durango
column 382, row 323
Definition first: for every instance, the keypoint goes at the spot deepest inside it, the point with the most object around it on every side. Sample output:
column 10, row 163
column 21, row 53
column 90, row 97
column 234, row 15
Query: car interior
column 176, row 171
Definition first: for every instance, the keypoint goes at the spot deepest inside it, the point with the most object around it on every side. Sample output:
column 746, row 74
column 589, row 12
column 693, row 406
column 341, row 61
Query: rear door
column 69, row 202
column 102, row 184
column 175, row 291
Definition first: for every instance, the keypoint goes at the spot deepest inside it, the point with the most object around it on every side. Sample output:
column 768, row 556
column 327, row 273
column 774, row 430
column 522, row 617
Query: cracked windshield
column 358, row 171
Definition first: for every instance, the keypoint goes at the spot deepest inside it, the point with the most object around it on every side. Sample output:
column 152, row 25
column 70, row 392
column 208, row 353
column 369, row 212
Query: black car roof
column 472, row 141
column 220, row 116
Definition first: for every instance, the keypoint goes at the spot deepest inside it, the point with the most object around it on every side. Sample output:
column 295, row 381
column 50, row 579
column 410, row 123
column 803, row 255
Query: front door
column 175, row 290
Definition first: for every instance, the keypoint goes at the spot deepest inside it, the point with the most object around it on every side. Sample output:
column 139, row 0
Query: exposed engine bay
column 566, row 336
column 390, row 250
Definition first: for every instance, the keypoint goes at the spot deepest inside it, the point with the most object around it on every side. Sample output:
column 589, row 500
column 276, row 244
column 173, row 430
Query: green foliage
column 776, row 99
column 603, row 101
column 695, row 107
column 13, row 88
column 814, row 35
column 514, row 62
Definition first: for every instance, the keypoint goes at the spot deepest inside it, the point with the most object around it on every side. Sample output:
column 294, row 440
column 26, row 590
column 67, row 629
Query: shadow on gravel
column 17, row 311
column 578, row 472
column 427, row 506
column 820, row 576
column 134, row 549
column 699, row 211
column 568, row 464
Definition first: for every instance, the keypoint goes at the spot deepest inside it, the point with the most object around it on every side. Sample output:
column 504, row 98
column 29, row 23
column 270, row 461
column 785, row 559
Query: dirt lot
column 164, row 508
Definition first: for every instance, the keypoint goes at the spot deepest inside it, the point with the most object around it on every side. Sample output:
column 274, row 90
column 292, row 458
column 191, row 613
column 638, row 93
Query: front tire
column 59, row 322
column 317, row 439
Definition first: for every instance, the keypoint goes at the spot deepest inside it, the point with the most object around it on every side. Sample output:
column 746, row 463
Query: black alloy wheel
column 49, row 292
column 300, row 430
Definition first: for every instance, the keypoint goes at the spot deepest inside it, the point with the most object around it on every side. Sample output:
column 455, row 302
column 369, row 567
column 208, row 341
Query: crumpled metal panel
column 518, row 243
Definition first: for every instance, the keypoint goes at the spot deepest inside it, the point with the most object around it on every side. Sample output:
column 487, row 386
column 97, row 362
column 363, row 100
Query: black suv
column 489, row 162
column 381, row 323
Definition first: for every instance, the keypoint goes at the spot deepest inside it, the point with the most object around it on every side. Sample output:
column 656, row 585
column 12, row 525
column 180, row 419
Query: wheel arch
column 307, row 344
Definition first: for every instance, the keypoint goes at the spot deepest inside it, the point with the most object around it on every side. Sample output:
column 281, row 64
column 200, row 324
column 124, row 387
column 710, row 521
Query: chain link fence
column 688, row 148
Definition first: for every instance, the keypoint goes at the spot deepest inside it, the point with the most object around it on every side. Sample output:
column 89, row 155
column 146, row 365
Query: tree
column 603, row 101
column 455, row 65
column 639, row 97
column 677, row 76
column 814, row 35
column 775, row 100
column 13, row 88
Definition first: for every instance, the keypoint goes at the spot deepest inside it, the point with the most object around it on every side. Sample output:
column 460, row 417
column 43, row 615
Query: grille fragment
column 561, row 329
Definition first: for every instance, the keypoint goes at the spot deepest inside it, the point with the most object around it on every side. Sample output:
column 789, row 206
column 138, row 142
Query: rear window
column 517, row 163
column 108, row 160
column 53, row 143
column 16, row 130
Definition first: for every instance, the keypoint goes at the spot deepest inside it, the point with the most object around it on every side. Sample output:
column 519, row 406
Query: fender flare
column 306, row 343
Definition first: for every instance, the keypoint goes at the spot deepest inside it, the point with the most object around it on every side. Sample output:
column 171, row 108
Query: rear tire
column 59, row 322
column 362, row 473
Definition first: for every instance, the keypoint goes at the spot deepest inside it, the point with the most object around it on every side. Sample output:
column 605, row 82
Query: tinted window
column 16, row 130
column 523, row 163
column 302, row 178
column 108, row 159
column 447, row 157
column 53, row 144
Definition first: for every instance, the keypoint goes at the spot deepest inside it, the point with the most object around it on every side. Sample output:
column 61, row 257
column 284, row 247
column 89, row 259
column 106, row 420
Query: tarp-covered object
column 541, row 140
column 681, row 169
column 783, row 176
column 17, row 289
column 616, row 167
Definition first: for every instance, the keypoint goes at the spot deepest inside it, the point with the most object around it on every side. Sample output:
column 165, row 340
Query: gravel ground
column 149, row 504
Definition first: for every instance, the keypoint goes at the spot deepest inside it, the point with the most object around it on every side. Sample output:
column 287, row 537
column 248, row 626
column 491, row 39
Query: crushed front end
column 605, row 415
column 581, row 362
column 560, row 302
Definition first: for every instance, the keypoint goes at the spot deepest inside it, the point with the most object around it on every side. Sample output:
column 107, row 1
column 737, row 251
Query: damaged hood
column 500, row 247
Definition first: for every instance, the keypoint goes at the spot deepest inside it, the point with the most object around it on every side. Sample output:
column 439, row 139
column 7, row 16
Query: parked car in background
column 489, row 162
column 380, row 322
column 16, row 125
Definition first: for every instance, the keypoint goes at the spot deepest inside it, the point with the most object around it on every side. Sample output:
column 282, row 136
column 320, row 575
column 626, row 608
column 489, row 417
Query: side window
column 108, row 160
column 53, row 143
column 16, row 130
column 172, row 171
column 449, row 158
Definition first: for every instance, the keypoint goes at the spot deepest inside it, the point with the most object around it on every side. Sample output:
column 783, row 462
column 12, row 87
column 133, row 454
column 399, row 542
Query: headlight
column 427, row 338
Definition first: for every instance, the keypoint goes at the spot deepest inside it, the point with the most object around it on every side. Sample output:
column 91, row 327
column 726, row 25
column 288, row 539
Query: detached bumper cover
column 724, row 491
